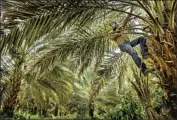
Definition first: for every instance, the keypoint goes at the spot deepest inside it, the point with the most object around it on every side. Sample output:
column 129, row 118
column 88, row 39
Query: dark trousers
column 128, row 47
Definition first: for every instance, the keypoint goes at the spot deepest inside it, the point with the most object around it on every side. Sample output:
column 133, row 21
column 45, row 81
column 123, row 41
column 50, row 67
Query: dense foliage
column 57, row 60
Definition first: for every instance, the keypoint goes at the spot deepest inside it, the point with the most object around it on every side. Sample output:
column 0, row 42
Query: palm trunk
column 91, row 110
column 12, row 100
column 164, row 54
column 44, row 112
column 172, row 101
column 142, row 88
column 12, row 90
column 166, row 64
column 56, row 110
column 163, row 49
column 34, row 110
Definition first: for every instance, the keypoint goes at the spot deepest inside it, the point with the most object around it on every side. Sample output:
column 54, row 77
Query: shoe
column 147, row 71
column 146, row 56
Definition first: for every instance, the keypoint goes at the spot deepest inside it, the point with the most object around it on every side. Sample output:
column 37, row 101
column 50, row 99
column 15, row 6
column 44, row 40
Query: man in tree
column 127, row 46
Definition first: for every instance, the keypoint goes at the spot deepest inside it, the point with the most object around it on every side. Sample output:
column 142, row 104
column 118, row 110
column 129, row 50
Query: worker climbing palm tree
column 127, row 46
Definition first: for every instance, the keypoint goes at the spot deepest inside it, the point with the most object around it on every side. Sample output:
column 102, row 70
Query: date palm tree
column 25, row 82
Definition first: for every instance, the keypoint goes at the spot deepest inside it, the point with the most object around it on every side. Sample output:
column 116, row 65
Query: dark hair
column 113, row 22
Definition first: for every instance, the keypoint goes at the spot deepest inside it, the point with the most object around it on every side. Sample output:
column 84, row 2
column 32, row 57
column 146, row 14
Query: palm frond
column 85, row 46
column 44, row 22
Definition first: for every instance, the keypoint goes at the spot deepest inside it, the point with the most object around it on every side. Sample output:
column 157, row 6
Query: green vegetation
column 57, row 60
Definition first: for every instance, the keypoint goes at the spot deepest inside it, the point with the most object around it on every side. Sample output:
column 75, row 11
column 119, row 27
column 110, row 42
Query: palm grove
column 57, row 59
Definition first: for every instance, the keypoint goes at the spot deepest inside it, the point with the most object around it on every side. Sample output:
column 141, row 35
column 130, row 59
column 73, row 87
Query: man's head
column 114, row 25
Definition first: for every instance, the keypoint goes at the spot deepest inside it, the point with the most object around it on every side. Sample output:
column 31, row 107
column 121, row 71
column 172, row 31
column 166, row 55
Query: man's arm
column 114, row 35
column 127, row 19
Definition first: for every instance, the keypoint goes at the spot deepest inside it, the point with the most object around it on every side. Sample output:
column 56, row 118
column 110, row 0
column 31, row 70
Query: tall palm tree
column 163, row 45
column 41, row 83
column 23, row 85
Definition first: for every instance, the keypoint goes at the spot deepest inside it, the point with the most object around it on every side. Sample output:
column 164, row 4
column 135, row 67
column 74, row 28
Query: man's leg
column 129, row 49
column 142, row 41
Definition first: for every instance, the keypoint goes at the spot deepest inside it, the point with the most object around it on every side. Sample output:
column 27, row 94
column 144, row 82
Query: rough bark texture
column 12, row 99
column 164, row 53
column 12, row 90
column 166, row 68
